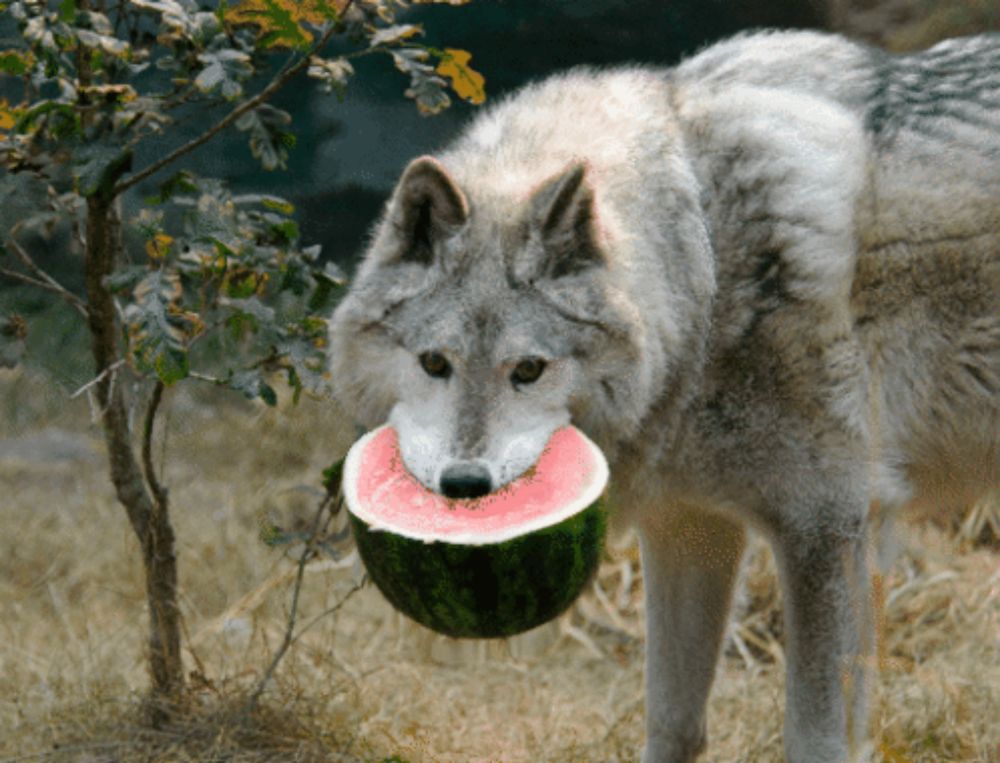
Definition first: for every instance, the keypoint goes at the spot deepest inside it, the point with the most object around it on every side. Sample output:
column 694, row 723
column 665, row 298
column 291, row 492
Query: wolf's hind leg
column 690, row 561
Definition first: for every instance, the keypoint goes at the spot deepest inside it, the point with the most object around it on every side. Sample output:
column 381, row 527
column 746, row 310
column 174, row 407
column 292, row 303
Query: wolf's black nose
column 465, row 481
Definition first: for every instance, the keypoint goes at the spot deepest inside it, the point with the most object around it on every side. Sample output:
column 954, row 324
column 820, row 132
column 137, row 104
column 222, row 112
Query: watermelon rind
column 486, row 591
column 485, row 587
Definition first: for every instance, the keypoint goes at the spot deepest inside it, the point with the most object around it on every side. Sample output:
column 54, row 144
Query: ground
column 363, row 684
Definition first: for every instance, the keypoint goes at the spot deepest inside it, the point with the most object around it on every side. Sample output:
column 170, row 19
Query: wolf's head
column 479, row 323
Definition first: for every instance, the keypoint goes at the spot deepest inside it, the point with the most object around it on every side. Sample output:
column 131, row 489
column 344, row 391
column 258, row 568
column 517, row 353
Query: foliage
column 13, row 331
column 467, row 82
column 220, row 286
column 219, row 271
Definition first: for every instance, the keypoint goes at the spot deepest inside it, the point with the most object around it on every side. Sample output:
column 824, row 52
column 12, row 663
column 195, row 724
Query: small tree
column 222, row 289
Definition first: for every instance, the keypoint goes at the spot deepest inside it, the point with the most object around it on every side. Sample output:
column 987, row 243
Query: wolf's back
column 932, row 120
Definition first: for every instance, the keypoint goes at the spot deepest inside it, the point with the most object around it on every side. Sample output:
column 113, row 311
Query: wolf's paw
column 680, row 747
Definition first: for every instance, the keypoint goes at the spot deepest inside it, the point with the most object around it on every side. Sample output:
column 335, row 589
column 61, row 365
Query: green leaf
column 171, row 366
column 272, row 535
column 322, row 296
column 295, row 277
column 333, row 75
column 409, row 59
column 268, row 139
column 98, row 165
column 251, row 383
column 251, row 306
column 304, row 349
column 268, row 395
column 328, row 10
column 426, row 87
column 157, row 329
column 213, row 219
column 281, row 27
column 61, row 119
column 67, row 11
column 125, row 279
column 331, row 273
column 95, row 31
column 181, row 183
column 429, row 94
column 333, row 475
column 16, row 62
column 278, row 204
column 286, row 231
column 329, row 282
column 13, row 333
column 223, row 70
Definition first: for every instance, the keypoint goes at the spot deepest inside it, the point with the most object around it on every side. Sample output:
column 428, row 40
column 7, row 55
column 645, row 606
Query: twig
column 290, row 637
column 272, row 87
column 206, row 378
column 329, row 611
column 24, row 278
column 159, row 492
column 42, row 279
column 97, row 379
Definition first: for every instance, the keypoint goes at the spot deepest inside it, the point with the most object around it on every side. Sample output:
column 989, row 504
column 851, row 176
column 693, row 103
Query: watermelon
column 484, row 567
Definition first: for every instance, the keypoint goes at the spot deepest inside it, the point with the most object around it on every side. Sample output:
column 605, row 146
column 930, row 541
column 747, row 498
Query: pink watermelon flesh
column 570, row 474
column 486, row 567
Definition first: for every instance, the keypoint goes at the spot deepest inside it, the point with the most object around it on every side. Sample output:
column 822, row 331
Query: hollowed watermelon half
column 481, row 567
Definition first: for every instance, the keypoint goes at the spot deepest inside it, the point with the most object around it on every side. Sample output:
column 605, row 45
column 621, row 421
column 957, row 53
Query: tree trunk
column 146, row 506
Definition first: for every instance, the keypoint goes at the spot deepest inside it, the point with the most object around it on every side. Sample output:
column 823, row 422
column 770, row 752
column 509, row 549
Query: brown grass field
column 361, row 684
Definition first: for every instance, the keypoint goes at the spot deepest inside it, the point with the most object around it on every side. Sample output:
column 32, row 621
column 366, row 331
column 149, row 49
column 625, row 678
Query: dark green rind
column 491, row 591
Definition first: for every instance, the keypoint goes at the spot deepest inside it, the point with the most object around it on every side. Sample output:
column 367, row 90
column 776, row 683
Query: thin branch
column 42, row 279
column 279, row 81
column 97, row 379
column 159, row 492
column 330, row 611
column 290, row 636
column 206, row 378
column 24, row 278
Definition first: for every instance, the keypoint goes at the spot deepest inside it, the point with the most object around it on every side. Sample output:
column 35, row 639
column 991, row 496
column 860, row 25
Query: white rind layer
column 589, row 493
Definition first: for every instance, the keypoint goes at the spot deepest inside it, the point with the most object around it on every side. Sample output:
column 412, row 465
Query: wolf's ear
column 426, row 206
column 564, row 216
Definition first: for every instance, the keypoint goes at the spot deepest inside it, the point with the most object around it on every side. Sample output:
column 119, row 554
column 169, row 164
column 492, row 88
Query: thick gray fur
column 766, row 282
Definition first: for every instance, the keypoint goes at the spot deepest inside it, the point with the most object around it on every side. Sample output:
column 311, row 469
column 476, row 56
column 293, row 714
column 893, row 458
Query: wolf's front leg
column 829, row 644
column 690, row 560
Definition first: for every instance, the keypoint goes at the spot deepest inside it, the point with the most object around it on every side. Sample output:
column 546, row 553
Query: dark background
column 350, row 153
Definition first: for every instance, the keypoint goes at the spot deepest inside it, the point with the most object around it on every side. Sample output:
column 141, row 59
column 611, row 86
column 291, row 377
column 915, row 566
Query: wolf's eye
column 527, row 371
column 435, row 364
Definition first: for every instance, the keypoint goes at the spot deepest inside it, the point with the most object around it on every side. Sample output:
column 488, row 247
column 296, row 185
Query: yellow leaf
column 195, row 325
column 466, row 81
column 111, row 93
column 8, row 116
column 260, row 13
column 158, row 246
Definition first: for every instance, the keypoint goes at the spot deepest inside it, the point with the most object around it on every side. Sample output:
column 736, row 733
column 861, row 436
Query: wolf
column 765, row 281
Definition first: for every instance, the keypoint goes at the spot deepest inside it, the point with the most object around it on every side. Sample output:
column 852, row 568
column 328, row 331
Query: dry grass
column 366, row 685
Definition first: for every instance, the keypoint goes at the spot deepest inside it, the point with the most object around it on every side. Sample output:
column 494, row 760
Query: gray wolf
column 766, row 282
